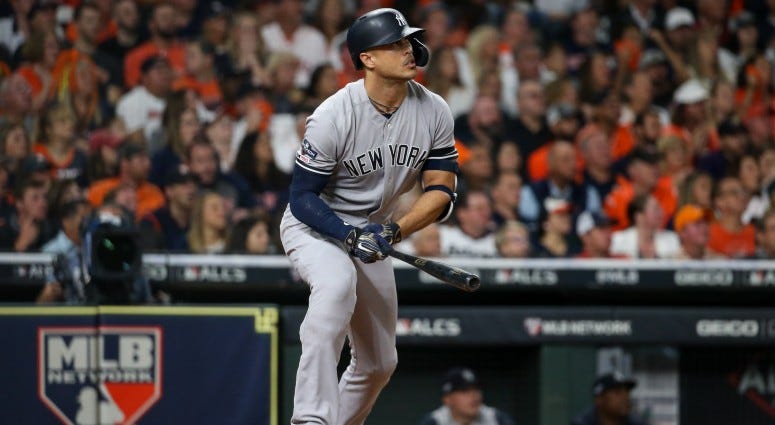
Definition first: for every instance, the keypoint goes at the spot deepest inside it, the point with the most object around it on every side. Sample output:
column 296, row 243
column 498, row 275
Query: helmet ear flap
column 420, row 52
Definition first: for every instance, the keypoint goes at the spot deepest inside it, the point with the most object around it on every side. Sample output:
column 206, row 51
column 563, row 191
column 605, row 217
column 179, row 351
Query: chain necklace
column 384, row 108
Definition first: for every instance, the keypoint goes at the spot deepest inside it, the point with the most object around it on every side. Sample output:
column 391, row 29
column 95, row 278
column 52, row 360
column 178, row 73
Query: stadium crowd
column 586, row 128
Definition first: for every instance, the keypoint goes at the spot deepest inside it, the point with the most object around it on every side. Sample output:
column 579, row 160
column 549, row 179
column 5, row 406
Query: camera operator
column 64, row 284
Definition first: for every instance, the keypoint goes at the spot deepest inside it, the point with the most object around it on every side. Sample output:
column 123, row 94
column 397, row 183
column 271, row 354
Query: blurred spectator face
column 85, row 77
column 566, row 128
column 490, row 86
column 767, row 165
column 219, row 132
column 89, row 24
column 513, row 241
column 597, row 151
column 22, row 6
column 138, row 167
column 508, row 158
column 695, row 234
column 215, row 29
column 44, row 19
column 713, row 10
column 196, row 60
column 600, row 72
column 16, row 95
column 598, row 239
column 184, row 5
column 749, row 174
column 474, row 218
column 640, row 91
column 328, row 83
column 181, row 194
column 528, row 62
column 675, row 154
column 50, row 50
column 701, row 191
column 766, row 236
column 127, row 198
column 214, row 212
column 556, row 60
column 531, row 99
column 507, row 189
column 653, row 215
column 262, row 149
column 485, row 113
column 126, row 15
column 723, row 99
column 733, row 144
column 436, row 26
column 516, row 28
column 189, row 126
column 61, row 125
column 558, row 223
column 16, row 144
column 245, row 33
column 448, row 69
column 257, row 241
column 747, row 35
column 162, row 23
column 290, row 10
column 584, row 27
column 158, row 79
column 731, row 197
column 680, row 38
column 562, row 161
column 202, row 163
column 478, row 167
column 33, row 204
column 427, row 242
column 649, row 131
column 643, row 173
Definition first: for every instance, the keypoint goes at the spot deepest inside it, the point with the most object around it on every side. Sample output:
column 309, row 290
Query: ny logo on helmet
column 401, row 20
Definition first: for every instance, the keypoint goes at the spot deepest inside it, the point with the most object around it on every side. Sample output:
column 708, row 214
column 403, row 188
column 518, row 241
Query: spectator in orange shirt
column 134, row 166
column 728, row 235
column 163, row 42
column 40, row 51
column 200, row 74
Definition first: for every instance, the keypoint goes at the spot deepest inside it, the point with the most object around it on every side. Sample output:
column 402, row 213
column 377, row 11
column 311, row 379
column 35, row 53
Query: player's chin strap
column 452, row 198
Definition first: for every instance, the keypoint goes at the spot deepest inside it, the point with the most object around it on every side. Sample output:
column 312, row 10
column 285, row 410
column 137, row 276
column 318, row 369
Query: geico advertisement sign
column 735, row 328
column 428, row 327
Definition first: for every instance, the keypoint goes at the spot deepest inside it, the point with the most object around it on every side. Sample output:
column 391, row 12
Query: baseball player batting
column 363, row 147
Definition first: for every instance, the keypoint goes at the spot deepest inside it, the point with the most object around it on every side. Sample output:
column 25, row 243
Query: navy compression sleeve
column 307, row 206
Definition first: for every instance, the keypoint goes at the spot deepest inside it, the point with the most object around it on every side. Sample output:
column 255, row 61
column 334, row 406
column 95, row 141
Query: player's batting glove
column 390, row 231
column 367, row 246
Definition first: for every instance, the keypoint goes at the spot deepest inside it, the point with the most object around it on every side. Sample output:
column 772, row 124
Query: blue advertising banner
column 150, row 365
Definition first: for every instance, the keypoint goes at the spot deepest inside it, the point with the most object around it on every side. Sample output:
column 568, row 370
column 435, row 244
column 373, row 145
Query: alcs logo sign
column 98, row 375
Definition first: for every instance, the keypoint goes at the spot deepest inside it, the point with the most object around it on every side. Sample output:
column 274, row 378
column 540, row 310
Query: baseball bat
column 454, row 276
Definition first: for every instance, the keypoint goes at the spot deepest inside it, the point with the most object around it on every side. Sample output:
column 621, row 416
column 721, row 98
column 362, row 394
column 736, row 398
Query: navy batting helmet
column 380, row 27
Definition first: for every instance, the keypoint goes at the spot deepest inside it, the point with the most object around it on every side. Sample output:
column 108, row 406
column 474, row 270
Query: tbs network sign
column 99, row 375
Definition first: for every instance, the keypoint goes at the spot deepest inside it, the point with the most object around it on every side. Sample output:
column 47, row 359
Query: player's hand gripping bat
column 454, row 276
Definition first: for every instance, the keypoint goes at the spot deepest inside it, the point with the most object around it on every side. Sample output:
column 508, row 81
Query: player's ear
column 367, row 59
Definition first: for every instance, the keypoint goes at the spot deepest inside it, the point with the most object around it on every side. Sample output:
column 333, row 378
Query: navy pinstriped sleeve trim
column 443, row 153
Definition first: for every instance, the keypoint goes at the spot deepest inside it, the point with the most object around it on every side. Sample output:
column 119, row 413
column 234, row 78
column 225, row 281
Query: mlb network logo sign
column 99, row 375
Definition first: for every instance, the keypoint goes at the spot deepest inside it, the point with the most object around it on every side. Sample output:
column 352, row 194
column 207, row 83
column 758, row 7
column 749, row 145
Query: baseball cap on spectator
column 743, row 19
column 678, row 17
column 459, row 379
column 610, row 381
column 728, row 128
column 129, row 150
column 691, row 91
column 153, row 61
column 651, row 57
column 689, row 214
column 589, row 220
column 101, row 138
column 178, row 175
column 41, row 5
column 560, row 111
column 557, row 206
column 216, row 9
column 34, row 163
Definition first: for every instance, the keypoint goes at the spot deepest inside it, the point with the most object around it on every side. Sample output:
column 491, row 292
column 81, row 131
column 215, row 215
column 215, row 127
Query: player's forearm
column 427, row 209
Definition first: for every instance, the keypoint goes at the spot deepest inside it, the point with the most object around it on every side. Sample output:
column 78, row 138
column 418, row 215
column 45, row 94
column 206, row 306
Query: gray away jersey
column 373, row 160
